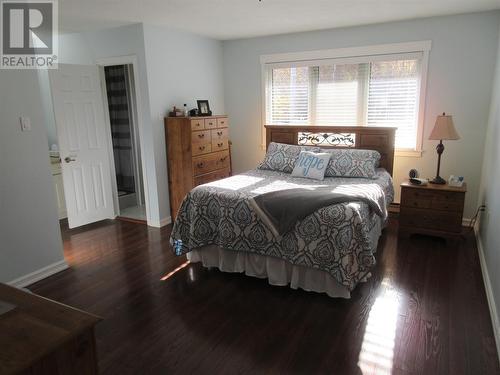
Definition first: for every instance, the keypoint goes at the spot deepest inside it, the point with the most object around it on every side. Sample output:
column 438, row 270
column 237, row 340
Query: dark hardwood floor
column 424, row 311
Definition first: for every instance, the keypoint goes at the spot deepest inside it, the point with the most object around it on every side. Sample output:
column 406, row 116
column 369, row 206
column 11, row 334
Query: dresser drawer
column 200, row 137
column 436, row 200
column 219, row 134
column 197, row 124
column 223, row 160
column 447, row 206
column 219, row 145
column 222, row 122
column 201, row 148
column 210, row 123
column 430, row 219
column 212, row 176
column 210, row 162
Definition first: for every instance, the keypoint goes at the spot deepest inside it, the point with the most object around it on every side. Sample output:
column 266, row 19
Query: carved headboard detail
column 363, row 137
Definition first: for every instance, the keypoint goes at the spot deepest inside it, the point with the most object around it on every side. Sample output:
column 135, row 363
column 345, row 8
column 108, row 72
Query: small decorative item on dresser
column 434, row 210
column 203, row 108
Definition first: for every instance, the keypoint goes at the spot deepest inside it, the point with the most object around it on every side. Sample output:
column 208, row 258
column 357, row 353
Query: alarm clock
column 413, row 173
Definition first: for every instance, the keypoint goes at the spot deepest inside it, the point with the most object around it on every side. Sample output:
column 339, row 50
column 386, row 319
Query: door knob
column 69, row 159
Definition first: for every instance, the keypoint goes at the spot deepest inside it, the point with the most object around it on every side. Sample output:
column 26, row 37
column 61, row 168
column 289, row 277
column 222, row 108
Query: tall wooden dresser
column 197, row 153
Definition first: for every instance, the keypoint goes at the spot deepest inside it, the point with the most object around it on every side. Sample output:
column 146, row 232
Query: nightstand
column 434, row 210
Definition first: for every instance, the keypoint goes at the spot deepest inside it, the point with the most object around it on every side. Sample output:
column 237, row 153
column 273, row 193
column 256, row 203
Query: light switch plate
column 25, row 123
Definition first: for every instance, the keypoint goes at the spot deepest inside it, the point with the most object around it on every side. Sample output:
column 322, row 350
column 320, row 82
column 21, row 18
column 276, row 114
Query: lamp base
column 438, row 181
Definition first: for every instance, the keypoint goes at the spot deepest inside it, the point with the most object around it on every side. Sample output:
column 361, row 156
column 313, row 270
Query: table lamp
column 443, row 130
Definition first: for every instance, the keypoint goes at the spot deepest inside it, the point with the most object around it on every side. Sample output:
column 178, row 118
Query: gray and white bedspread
column 334, row 239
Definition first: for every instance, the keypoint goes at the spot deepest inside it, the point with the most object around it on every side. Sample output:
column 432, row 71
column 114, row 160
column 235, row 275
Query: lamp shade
column 444, row 129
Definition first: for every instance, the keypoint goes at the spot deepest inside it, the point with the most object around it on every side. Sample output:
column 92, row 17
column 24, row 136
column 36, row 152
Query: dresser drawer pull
column 210, row 123
column 200, row 165
column 220, row 144
column 223, row 159
column 202, row 148
column 219, row 133
column 223, row 122
column 201, row 135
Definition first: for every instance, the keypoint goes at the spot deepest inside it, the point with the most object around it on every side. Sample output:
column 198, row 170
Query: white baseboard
column 40, row 274
column 489, row 291
column 160, row 223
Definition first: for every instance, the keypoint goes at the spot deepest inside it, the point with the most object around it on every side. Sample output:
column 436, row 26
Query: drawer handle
column 210, row 123
column 222, row 122
column 202, row 148
column 201, row 135
column 200, row 165
column 220, row 144
column 219, row 133
column 223, row 159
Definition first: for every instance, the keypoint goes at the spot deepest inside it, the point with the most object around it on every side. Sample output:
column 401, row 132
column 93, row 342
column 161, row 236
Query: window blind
column 393, row 98
column 290, row 96
column 376, row 93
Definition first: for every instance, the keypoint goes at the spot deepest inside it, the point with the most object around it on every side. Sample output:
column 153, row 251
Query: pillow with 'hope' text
column 311, row 165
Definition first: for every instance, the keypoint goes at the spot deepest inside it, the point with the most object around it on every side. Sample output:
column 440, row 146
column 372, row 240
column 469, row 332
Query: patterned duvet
column 334, row 239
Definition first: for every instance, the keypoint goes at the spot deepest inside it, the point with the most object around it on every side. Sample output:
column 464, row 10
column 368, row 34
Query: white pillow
column 311, row 165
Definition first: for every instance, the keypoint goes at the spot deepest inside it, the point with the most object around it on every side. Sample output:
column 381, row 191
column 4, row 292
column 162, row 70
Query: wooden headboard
column 364, row 137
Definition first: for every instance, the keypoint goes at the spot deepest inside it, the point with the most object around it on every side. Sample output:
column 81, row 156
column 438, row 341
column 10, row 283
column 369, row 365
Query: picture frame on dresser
column 203, row 108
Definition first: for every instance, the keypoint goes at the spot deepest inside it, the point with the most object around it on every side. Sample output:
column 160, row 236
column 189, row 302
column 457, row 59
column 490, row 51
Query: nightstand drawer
column 436, row 200
column 448, row 206
column 430, row 219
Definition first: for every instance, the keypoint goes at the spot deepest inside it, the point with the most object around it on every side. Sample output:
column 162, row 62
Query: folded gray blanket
column 281, row 210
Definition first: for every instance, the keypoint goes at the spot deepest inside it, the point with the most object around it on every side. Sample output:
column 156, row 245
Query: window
column 378, row 90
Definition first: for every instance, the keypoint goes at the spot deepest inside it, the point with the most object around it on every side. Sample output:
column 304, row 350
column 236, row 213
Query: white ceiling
column 233, row 19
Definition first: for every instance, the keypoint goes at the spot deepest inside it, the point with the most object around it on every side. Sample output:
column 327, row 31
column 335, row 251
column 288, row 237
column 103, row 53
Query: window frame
column 351, row 55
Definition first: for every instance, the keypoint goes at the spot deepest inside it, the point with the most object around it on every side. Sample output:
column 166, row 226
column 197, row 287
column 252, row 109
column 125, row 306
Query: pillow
column 353, row 163
column 311, row 165
column 282, row 157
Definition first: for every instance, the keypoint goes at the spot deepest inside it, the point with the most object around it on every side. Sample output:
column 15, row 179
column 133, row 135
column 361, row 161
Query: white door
column 83, row 143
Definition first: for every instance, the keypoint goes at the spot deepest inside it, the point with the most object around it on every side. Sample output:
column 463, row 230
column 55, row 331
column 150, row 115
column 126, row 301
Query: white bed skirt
column 277, row 271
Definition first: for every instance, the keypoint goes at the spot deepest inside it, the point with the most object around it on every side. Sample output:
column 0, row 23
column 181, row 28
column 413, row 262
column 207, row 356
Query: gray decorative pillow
column 282, row 157
column 311, row 165
column 353, row 163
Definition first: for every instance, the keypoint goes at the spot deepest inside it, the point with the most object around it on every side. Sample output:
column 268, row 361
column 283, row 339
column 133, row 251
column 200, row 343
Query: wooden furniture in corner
column 40, row 336
column 435, row 210
column 198, row 152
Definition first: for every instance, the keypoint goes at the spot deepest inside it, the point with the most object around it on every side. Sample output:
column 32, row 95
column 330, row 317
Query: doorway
column 120, row 95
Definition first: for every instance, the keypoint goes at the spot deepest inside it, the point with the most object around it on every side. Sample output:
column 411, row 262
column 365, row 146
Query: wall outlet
column 25, row 123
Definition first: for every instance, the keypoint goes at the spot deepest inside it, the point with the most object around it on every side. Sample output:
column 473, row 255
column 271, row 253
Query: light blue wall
column 490, row 196
column 181, row 68
column 30, row 237
column 459, row 81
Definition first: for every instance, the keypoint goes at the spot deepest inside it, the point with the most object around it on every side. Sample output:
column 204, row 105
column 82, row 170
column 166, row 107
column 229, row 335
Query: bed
column 330, row 251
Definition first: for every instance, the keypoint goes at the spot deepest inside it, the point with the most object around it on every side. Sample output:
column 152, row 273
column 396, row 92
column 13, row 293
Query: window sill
column 408, row 153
